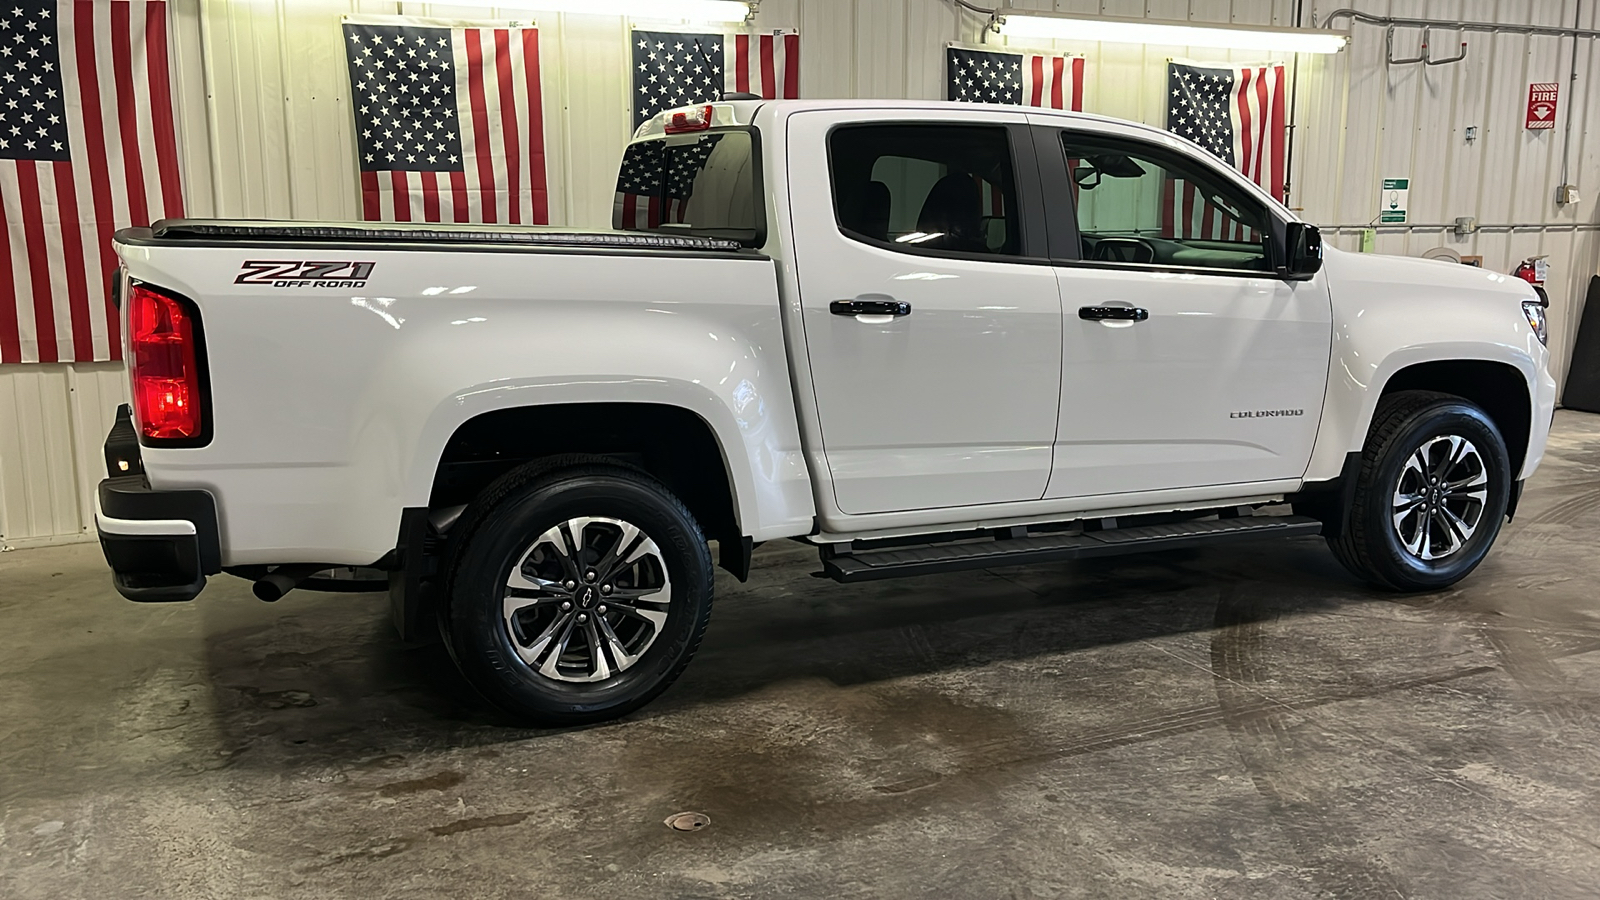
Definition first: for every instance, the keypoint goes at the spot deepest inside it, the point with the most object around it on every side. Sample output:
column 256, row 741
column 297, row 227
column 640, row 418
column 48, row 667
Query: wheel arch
column 1502, row 378
column 1498, row 388
column 672, row 444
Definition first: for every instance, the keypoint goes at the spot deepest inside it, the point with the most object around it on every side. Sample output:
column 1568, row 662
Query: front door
column 931, row 313
column 1187, row 362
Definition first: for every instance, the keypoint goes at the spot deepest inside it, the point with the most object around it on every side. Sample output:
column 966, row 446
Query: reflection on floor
column 1237, row 722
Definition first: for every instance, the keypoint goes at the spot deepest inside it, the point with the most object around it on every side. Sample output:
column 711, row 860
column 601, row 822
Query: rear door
column 1187, row 361
column 931, row 313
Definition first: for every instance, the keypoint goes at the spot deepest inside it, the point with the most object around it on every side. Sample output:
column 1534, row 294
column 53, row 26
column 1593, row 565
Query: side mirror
column 1086, row 177
column 1303, row 252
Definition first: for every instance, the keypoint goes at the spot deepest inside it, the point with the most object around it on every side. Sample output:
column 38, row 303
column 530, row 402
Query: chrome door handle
column 1126, row 313
column 870, row 308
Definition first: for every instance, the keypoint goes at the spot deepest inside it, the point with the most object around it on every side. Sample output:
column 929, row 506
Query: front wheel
column 577, row 595
column 1431, row 493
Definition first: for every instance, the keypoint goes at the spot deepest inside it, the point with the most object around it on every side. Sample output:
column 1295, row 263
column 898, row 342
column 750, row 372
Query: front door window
column 1144, row 205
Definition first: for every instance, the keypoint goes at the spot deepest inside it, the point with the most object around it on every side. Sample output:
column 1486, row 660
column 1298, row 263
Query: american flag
column 679, row 68
column 656, row 182
column 87, row 146
column 1024, row 79
column 1236, row 113
column 449, row 121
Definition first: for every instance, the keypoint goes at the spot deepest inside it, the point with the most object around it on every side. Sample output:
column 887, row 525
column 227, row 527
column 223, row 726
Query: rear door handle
column 1128, row 313
column 870, row 308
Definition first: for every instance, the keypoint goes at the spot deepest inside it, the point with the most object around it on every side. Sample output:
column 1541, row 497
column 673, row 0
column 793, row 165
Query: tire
column 553, row 655
column 1401, row 533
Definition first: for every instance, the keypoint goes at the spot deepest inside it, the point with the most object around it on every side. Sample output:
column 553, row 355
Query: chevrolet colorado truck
column 923, row 337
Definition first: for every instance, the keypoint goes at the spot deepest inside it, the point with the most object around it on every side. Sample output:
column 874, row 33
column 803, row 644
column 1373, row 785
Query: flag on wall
column 1052, row 81
column 1237, row 113
column 87, row 146
column 449, row 120
column 678, row 68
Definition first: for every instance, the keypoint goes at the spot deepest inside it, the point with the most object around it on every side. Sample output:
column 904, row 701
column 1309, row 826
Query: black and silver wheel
column 1440, row 497
column 577, row 595
column 587, row 599
column 1431, row 493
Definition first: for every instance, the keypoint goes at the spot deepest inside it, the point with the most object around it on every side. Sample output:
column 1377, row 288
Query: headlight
column 1534, row 310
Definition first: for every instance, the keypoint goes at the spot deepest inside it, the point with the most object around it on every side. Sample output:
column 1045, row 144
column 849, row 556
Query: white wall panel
column 265, row 127
column 53, row 419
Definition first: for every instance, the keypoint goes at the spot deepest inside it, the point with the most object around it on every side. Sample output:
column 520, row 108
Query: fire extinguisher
column 1533, row 270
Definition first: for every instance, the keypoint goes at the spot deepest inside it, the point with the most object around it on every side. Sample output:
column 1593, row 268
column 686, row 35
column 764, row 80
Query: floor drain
column 688, row 821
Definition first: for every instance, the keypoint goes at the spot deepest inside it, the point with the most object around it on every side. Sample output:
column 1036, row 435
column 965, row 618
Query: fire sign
column 1542, row 104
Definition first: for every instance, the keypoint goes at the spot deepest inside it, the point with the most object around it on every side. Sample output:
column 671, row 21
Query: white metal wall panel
column 265, row 128
column 53, row 419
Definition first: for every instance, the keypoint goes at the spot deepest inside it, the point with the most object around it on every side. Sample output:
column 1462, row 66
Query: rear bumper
column 160, row 545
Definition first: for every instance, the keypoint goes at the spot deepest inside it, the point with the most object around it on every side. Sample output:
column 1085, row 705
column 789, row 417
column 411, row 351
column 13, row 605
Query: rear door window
column 927, row 188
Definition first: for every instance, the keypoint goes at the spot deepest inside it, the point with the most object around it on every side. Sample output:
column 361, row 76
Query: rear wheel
column 1431, row 493
column 577, row 595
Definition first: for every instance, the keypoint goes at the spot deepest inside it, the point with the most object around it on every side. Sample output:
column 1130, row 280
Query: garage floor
column 1239, row 722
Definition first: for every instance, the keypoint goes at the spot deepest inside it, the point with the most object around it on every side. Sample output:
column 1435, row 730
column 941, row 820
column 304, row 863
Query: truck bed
column 221, row 232
column 340, row 359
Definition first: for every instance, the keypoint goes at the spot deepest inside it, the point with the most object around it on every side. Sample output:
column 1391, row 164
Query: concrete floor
column 1238, row 722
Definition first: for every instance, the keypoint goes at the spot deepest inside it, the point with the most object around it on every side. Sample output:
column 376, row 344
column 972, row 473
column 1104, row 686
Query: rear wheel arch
column 674, row 445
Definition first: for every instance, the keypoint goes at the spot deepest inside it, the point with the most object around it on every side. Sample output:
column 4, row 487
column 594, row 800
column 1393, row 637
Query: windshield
column 699, row 184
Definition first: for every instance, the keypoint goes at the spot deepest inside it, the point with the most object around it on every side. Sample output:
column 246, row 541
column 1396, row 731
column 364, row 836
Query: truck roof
column 743, row 112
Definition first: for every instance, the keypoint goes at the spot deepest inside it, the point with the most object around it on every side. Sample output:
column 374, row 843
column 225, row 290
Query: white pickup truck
column 923, row 337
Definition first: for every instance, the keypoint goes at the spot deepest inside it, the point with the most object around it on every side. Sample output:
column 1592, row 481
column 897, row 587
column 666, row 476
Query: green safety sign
column 1392, row 201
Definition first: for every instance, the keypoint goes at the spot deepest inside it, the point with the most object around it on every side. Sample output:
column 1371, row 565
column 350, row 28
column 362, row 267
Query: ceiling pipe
column 1356, row 15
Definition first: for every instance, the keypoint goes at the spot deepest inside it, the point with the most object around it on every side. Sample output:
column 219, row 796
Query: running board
column 900, row 562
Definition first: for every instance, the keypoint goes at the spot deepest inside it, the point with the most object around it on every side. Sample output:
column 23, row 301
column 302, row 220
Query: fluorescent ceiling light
column 696, row 10
column 1027, row 24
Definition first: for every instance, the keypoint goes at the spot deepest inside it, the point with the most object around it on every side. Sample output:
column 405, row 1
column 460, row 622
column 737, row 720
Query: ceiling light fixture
column 1065, row 26
column 694, row 10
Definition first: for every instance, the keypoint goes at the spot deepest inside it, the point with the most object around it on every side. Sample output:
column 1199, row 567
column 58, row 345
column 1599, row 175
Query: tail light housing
column 167, row 368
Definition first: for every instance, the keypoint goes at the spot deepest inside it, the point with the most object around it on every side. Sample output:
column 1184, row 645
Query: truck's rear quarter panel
column 332, row 404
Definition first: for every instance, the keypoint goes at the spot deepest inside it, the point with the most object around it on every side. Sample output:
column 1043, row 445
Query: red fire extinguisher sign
column 1542, row 104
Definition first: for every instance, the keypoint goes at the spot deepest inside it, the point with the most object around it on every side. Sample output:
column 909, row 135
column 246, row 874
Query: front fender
column 1391, row 313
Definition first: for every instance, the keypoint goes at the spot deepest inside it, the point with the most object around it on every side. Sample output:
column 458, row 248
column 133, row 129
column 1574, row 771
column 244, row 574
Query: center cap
column 586, row 597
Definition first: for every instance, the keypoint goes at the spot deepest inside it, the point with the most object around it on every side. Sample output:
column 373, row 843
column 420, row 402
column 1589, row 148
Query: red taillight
column 688, row 120
column 166, row 369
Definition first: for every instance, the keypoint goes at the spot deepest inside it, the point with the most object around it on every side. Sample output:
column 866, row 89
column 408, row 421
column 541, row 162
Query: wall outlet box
column 1466, row 225
column 1566, row 193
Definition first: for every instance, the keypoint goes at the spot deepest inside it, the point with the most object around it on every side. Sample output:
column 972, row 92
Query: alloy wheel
column 1440, row 497
column 586, row 599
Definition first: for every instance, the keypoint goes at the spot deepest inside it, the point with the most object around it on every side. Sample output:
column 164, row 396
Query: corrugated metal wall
column 266, row 131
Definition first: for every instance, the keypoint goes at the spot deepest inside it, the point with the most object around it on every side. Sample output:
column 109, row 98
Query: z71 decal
column 297, row 274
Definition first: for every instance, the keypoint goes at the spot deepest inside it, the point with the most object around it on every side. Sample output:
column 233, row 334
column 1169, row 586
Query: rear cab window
column 705, row 184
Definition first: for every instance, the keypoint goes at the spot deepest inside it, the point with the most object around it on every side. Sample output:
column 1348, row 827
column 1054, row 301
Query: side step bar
column 899, row 562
